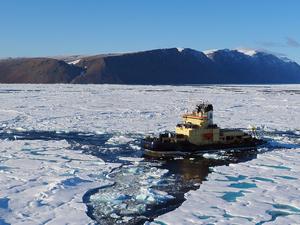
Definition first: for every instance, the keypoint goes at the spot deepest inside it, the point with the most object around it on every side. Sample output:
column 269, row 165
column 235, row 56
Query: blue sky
column 59, row 27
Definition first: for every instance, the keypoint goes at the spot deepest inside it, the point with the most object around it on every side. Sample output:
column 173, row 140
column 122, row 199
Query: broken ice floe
column 259, row 191
column 134, row 190
column 44, row 181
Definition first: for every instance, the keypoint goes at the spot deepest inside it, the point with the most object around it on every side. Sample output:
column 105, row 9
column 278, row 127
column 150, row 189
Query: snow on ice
column 43, row 181
column 261, row 191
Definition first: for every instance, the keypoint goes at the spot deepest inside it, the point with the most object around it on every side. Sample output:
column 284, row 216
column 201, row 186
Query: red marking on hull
column 208, row 136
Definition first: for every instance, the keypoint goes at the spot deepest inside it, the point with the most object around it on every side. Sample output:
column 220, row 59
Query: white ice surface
column 33, row 174
column 44, row 182
column 143, row 109
column 269, row 184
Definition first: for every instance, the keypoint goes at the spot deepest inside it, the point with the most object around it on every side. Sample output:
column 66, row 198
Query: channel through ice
column 70, row 154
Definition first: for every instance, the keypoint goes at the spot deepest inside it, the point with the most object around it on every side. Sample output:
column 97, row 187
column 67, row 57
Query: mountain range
column 159, row 66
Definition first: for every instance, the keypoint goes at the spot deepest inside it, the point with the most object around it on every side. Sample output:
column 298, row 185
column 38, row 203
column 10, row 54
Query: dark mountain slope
column 95, row 72
column 161, row 66
column 187, row 66
column 37, row 70
column 258, row 68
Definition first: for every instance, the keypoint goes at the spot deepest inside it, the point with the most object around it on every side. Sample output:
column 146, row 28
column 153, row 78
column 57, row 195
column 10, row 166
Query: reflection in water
column 142, row 191
column 196, row 169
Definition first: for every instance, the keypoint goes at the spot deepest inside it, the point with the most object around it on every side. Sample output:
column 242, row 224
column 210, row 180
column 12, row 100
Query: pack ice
column 44, row 178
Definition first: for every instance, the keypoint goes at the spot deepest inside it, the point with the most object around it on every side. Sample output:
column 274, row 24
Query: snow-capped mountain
column 253, row 66
column 159, row 66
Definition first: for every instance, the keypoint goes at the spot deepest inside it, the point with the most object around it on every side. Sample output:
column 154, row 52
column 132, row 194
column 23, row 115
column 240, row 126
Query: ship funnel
column 206, row 110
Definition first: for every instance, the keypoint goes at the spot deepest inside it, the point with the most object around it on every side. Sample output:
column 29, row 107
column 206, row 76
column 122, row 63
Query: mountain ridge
column 158, row 66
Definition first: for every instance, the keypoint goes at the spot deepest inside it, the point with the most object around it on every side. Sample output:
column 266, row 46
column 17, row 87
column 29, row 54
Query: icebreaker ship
column 197, row 133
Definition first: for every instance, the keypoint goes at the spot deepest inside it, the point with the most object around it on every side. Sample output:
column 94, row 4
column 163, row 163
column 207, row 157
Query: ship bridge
column 198, row 125
column 202, row 115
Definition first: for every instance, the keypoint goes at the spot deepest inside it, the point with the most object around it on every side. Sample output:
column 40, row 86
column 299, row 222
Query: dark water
column 89, row 143
column 129, row 205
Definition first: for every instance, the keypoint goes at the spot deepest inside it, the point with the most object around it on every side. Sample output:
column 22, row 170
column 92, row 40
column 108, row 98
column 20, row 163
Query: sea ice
column 249, row 192
column 44, row 176
column 44, row 181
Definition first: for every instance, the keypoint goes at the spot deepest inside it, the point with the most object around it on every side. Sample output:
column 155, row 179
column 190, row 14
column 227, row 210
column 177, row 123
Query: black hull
column 154, row 147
